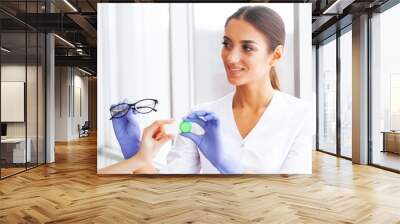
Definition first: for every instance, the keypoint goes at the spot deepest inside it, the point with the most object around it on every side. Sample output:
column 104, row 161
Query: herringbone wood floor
column 70, row 191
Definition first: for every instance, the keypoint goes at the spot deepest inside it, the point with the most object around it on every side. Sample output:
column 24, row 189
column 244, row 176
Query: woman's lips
column 235, row 71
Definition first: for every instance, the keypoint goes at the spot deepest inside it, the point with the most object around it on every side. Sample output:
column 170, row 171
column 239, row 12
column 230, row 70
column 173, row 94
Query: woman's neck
column 253, row 96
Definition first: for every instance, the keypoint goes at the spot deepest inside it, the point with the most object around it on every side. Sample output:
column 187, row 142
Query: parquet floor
column 9, row 171
column 70, row 191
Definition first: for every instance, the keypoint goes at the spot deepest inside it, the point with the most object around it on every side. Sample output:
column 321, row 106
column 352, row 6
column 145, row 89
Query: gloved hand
column 127, row 131
column 210, row 143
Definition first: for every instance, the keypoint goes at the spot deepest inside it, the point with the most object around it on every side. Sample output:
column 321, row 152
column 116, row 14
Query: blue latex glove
column 127, row 131
column 210, row 143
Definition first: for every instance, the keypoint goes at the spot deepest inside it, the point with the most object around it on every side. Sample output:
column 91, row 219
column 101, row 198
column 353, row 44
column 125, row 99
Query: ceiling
column 76, row 22
column 77, row 25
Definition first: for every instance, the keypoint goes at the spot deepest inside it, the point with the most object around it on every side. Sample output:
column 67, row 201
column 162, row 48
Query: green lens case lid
column 185, row 126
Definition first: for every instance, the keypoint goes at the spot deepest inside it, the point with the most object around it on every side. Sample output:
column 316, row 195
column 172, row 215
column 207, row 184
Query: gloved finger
column 210, row 117
column 199, row 113
column 196, row 120
column 214, row 123
column 195, row 138
column 188, row 118
column 131, row 117
column 133, row 111
column 115, row 104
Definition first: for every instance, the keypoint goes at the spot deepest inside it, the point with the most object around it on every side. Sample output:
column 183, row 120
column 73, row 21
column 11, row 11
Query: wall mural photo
column 203, row 89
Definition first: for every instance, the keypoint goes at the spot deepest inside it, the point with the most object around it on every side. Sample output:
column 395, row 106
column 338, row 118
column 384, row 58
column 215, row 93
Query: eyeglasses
column 144, row 106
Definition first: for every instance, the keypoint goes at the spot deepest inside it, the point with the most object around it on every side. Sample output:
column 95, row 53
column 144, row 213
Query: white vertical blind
column 133, row 63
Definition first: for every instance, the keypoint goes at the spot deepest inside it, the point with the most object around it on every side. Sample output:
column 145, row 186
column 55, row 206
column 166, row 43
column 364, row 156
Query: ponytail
column 274, row 79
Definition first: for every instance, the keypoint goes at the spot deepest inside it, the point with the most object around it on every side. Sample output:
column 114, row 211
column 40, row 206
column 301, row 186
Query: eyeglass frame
column 133, row 106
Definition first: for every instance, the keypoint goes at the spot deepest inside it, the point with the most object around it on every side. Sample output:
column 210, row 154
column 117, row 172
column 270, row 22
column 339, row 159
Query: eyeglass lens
column 119, row 110
column 145, row 106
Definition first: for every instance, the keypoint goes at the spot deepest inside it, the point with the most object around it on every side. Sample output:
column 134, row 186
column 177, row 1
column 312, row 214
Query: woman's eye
column 247, row 48
column 225, row 44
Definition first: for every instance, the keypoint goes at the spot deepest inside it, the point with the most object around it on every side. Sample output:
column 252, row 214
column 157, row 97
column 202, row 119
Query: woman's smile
column 235, row 71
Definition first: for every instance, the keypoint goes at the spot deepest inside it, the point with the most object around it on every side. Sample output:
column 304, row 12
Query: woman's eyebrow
column 242, row 41
column 248, row 42
column 227, row 38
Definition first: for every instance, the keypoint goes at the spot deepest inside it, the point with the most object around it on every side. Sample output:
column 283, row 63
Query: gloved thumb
column 196, row 120
column 131, row 116
column 195, row 138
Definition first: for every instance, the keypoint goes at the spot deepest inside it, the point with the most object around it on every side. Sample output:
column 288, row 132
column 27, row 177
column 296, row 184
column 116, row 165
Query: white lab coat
column 280, row 142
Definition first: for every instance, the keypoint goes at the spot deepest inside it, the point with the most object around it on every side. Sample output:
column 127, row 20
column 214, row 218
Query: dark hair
column 270, row 24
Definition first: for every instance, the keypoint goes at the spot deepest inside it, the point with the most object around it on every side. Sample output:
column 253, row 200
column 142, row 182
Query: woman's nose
column 233, row 57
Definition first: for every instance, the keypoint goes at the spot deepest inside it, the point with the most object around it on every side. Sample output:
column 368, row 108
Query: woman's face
column 245, row 53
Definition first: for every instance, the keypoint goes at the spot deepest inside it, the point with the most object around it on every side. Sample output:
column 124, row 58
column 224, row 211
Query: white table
column 19, row 155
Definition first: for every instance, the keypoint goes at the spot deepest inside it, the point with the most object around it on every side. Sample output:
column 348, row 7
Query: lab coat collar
column 270, row 109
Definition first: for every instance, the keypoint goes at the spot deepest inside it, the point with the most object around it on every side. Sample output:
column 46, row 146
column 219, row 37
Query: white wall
column 80, row 114
column 61, row 103
column 67, row 117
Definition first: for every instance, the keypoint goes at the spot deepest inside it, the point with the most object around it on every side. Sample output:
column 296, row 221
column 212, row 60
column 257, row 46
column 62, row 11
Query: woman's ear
column 277, row 55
